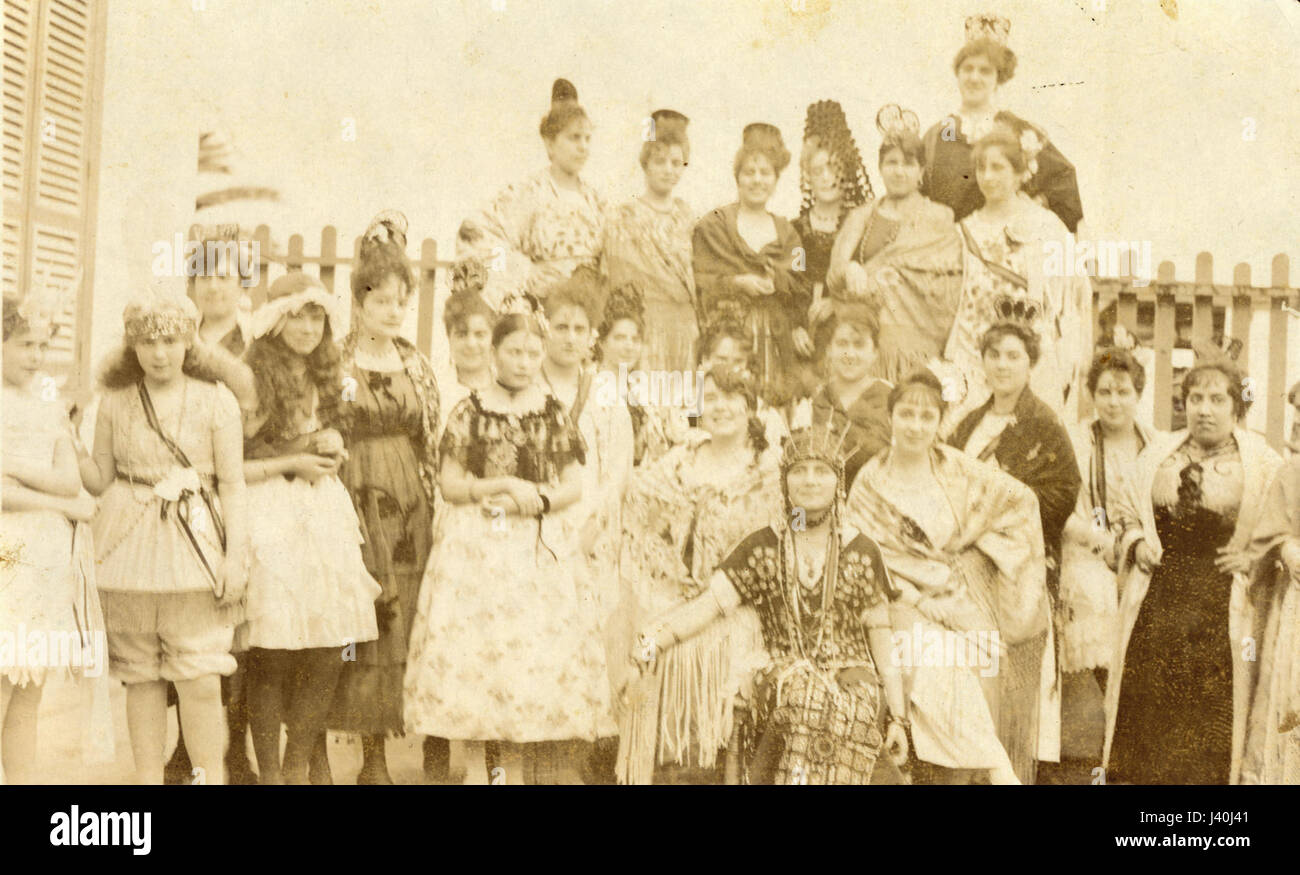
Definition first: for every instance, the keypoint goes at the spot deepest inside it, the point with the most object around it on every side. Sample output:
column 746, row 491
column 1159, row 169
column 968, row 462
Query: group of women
column 870, row 553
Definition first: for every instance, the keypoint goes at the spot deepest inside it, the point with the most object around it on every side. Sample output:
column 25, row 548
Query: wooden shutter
column 54, row 72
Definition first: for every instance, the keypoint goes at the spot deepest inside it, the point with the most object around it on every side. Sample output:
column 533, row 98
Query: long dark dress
column 1174, row 721
column 383, row 475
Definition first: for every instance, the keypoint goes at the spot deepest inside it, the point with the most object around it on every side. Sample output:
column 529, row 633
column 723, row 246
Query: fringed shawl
column 996, row 516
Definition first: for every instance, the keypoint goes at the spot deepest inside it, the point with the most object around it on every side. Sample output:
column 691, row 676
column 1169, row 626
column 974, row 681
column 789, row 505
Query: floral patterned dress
column 506, row 644
column 676, row 529
column 812, row 724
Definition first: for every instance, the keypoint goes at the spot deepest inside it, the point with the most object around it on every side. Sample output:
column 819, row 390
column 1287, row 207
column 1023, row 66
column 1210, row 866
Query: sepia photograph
column 742, row 392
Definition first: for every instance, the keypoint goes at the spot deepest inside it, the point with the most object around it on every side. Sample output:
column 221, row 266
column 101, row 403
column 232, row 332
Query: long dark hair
column 209, row 363
column 279, row 390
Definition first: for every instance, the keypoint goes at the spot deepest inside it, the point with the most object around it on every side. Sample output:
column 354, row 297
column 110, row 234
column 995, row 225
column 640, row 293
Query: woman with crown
column 648, row 243
column 1185, row 663
column 170, row 533
column 391, row 426
column 900, row 255
column 681, row 515
column 748, row 260
column 47, row 588
column 506, row 646
column 964, row 548
column 821, row 591
column 1007, row 273
column 534, row 233
column 1024, row 437
column 982, row 64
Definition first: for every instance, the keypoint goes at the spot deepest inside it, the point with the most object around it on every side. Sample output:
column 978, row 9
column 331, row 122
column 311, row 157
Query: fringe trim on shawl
column 1018, row 707
column 687, row 705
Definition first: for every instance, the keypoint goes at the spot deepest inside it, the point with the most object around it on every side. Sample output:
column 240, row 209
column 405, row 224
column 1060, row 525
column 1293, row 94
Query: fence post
column 1163, row 341
column 1243, row 309
column 1203, row 304
column 328, row 255
column 1277, row 352
column 262, row 238
column 424, row 308
column 293, row 258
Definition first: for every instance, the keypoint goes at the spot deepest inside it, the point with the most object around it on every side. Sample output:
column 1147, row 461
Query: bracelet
column 901, row 721
column 546, row 501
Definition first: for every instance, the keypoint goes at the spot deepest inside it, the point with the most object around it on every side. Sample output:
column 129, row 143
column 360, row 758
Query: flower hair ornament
column 892, row 121
column 287, row 296
column 389, row 226
column 42, row 305
column 524, row 304
column 469, row 276
column 992, row 27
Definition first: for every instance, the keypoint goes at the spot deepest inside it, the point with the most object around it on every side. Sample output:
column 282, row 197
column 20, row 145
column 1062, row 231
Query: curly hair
column 738, row 381
column 376, row 262
column 907, row 142
column 1121, row 361
column 207, row 362
column 582, row 290
column 721, row 329
column 280, row 392
column 762, row 139
column 1234, row 376
column 861, row 317
column 1001, row 57
column 1005, row 140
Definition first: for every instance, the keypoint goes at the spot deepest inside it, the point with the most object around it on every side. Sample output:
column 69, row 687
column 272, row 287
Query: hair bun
column 468, row 276
column 388, row 227
column 563, row 90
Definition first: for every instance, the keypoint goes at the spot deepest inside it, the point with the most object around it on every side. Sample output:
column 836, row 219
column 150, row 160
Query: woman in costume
column 745, row 259
column 833, row 183
column 900, row 255
column 648, row 243
column 1106, row 448
column 1009, row 273
column 1272, row 754
column 1181, row 678
column 821, row 591
column 681, row 516
column 852, row 400
column 309, row 594
column 534, row 233
column 170, row 532
column 964, row 547
column 981, row 65
column 391, row 471
column 47, row 588
column 506, row 646
column 1020, row 434
column 468, row 321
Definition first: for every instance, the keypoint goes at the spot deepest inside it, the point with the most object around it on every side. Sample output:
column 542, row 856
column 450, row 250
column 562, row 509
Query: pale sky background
column 446, row 98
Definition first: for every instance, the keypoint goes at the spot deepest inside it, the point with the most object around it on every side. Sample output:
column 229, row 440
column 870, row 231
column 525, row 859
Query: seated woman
column 981, row 65
column 901, row 255
column 681, row 516
column 1106, row 449
column 851, row 400
column 744, row 259
column 821, row 590
column 1273, row 731
column 1181, row 680
column 964, row 547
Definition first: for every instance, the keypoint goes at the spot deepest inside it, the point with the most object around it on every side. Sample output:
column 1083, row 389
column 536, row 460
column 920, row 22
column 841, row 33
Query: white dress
column 307, row 584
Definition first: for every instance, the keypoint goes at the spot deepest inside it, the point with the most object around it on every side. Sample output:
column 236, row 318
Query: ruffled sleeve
column 458, row 434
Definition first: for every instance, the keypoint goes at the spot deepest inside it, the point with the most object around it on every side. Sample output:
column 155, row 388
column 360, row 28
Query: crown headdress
column 1011, row 308
column 1210, row 352
column 159, row 312
column 994, row 27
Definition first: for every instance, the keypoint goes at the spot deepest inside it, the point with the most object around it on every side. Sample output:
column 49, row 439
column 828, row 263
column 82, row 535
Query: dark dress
column 383, row 474
column 801, row 730
column 816, row 247
column 866, row 421
column 1174, row 720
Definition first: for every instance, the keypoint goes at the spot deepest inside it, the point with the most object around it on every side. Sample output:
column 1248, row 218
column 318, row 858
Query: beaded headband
column 160, row 314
